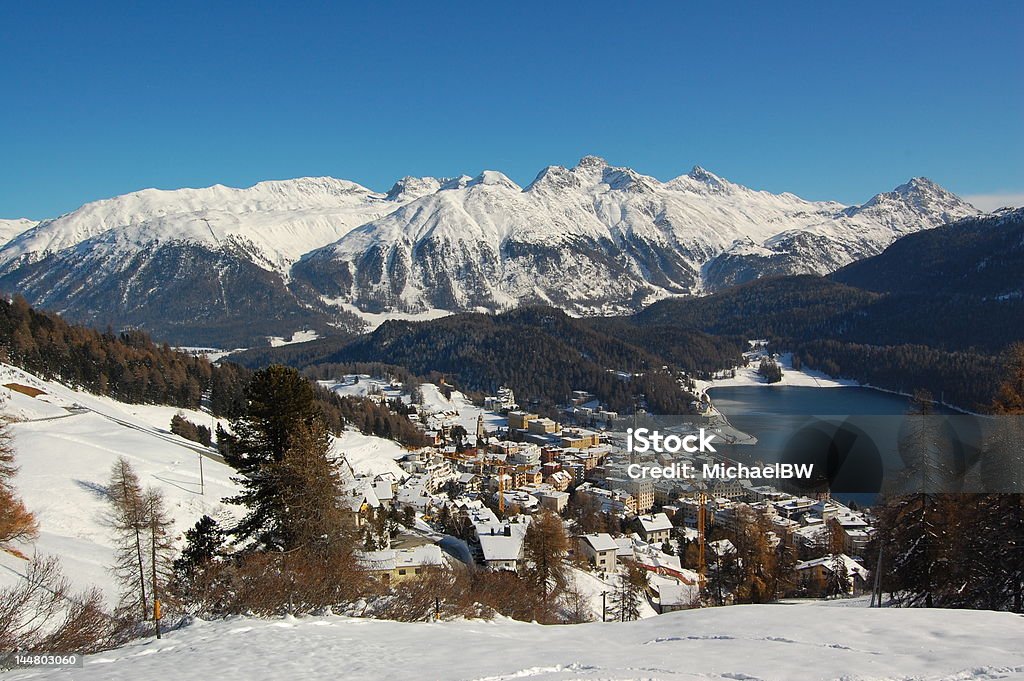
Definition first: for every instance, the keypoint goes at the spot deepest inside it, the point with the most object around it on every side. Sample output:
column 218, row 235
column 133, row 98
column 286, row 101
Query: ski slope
column 755, row 642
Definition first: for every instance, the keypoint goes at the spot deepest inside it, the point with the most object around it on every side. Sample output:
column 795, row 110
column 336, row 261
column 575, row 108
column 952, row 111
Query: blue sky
column 827, row 100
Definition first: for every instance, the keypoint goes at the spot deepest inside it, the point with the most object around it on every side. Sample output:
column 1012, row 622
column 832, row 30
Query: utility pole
column 604, row 606
column 202, row 481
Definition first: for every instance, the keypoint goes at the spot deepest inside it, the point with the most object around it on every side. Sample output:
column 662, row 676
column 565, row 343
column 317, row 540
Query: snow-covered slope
column 12, row 228
column 597, row 237
column 273, row 222
column 753, row 642
column 66, row 442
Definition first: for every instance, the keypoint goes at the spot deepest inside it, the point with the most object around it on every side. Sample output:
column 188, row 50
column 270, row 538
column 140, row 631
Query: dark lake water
column 774, row 414
column 779, row 400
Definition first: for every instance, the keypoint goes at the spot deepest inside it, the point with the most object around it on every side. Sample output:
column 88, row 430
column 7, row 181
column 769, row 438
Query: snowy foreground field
column 786, row 642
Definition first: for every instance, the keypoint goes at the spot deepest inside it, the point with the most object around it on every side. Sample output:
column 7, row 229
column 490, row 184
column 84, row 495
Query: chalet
column 655, row 529
column 501, row 544
column 672, row 595
column 560, row 480
column 600, row 550
column 815, row 574
column 356, row 503
column 469, row 483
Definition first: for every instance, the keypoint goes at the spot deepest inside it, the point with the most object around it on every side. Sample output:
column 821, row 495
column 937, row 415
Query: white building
column 655, row 529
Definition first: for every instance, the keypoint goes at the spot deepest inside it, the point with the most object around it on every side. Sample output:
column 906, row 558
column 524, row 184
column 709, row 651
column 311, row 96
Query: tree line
column 953, row 549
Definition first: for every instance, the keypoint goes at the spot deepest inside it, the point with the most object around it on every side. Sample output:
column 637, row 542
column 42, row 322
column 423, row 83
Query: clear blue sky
column 828, row 100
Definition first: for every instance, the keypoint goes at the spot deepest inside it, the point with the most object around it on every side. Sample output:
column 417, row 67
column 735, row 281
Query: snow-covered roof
column 389, row 559
column 496, row 545
column 675, row 593
column 601, row 541
column 655, row 523
column 852, row 566
column 383, row 490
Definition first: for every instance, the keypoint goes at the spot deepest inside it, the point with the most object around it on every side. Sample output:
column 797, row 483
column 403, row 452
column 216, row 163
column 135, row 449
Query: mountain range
column 230, row 267
column 935, row 310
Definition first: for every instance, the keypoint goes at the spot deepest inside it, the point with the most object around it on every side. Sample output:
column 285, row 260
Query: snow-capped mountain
column 274, row 222
column 194, row 265
column 602, row 238
column 224, row 265
column 12, row 228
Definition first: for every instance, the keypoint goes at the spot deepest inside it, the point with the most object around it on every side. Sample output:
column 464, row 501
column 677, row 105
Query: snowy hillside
column 12, row 228
column 273, row 222
column 755, row 642
column 230, row 267
column 66, row 442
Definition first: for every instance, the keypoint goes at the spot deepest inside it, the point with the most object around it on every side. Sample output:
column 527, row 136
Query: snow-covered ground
column 804, row 377
column 375, row 319
column 752, row 642
column 457, row 410
column 66, row 442
column 297, row 337
column 593, row 585
column 370, row 455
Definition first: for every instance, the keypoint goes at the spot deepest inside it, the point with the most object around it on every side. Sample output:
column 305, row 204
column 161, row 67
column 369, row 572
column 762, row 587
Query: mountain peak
column 591, row 162
column 460, row 182
column 304, row 186
column 554, row 177
column 409, row 188
column 493, row 178
column 918, row 198
column 706, row 176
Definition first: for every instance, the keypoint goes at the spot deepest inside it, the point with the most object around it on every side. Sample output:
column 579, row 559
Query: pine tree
column 204, row 543
column 310, row 487
column 838, row 582
column 914, row 522
column 279, row 402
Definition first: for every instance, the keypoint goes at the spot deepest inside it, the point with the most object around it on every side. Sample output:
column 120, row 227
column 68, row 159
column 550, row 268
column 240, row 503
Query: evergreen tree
column 916, row 521
column 310, row 487
column 838, row 582
column 204, row 543
column 279, row 403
